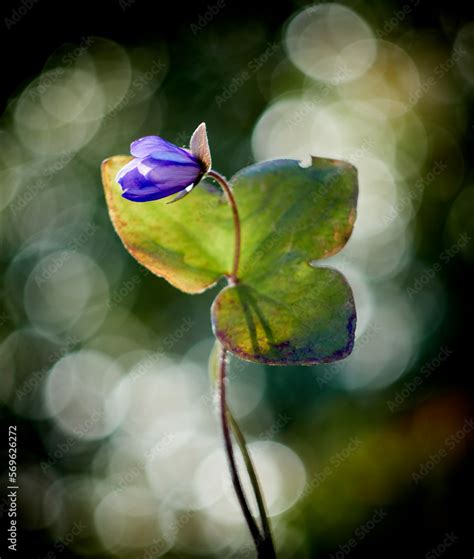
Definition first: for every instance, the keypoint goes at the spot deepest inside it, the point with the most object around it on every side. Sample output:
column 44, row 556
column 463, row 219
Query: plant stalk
column 222, row 181
column 263, row 541
column 221, row 388
column 267, row 543
column 262, row 538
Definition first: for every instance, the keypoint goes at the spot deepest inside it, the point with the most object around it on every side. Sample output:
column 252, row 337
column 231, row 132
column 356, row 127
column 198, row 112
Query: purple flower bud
column 160, row 169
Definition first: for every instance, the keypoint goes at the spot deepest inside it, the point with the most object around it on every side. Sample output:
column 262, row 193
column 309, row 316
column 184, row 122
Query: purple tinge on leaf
column 160, row 169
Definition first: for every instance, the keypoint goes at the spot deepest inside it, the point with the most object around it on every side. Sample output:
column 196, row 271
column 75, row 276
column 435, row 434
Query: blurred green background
column 103, row 366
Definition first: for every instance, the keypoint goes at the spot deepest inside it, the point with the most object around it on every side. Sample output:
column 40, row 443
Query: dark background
column 419, row 516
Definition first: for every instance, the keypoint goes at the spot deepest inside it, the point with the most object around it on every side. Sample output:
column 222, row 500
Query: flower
column 160, row 169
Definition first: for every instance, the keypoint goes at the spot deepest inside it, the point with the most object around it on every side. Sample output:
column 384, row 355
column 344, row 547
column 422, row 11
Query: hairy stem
column 222, row 181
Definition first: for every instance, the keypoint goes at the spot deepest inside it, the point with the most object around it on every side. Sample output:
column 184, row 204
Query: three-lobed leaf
column 283, row 310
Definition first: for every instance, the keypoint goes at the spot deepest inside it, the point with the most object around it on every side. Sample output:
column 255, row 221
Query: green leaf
column 283, row 311
column 294, row 212
column 188, row 243
column 297, row 315
column 286, row 311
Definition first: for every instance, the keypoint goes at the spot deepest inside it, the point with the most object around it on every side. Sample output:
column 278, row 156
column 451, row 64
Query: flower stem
column 263, row 542
column 267, row 543
column 257, row 538
column 222, row 181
